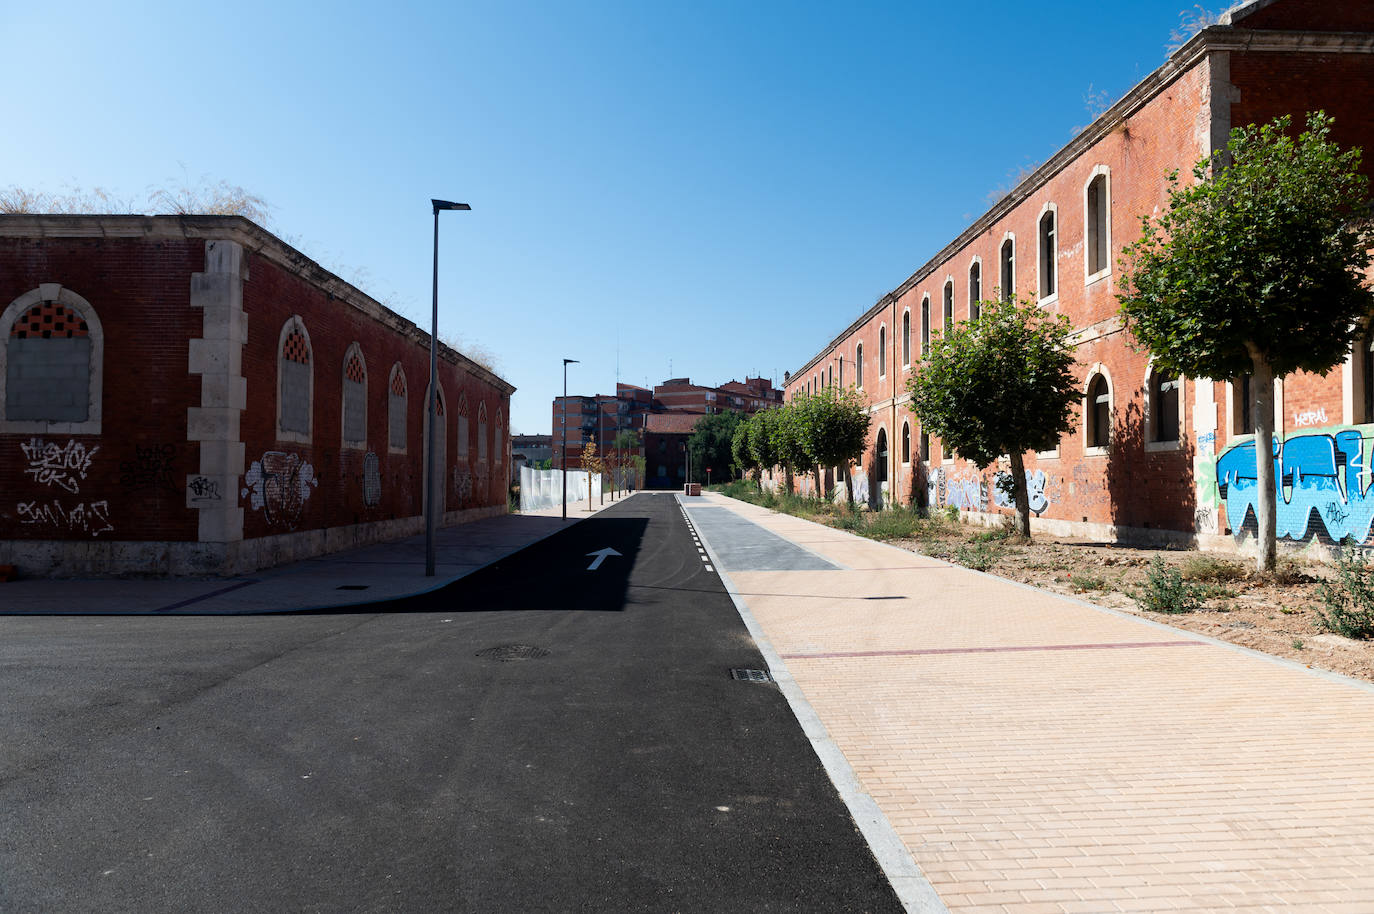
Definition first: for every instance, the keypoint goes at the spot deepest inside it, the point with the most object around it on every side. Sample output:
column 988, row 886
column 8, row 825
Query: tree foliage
column 710, row 445
column 831, row 429
column 1001, row 384
column 1257, row 267
column 1262, row 252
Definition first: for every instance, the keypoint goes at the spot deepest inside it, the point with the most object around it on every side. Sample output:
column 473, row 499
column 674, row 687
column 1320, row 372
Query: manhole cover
column 751, row 675
column 507, row 652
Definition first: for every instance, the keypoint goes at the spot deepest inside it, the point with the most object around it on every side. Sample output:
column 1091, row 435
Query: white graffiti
column 1035, row 490
column 61, row 465
column 279, row 485
column 1310, row 417
column 93, row 518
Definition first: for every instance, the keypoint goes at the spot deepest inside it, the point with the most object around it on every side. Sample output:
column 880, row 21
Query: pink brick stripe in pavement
column 1024, row 777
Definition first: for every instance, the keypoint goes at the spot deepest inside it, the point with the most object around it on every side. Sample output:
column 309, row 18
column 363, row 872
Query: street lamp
column 566, row 363
column 430, row 498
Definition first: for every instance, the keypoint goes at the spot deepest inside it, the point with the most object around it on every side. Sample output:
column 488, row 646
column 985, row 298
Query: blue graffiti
column 1035, row 491
column 1317, row 479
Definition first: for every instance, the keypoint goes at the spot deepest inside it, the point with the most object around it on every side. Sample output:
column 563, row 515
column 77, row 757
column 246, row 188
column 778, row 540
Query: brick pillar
column 217, row 356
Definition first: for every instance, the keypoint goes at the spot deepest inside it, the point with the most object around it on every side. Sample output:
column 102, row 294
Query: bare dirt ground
column 1277, row 614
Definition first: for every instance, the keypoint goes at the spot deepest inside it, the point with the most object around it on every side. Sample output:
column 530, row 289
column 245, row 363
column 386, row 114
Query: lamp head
column 445, row 204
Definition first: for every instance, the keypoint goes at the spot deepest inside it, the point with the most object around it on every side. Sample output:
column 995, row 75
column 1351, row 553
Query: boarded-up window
column 48, row 365
column 295, row 381
column 463, row 433
column 355, row 399
column 396, row 410
column 481, row 432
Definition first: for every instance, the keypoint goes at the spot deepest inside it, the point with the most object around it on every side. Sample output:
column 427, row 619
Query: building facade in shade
column 665, row 448
column 1153, row 456
column 530, row 451
column 190, row 395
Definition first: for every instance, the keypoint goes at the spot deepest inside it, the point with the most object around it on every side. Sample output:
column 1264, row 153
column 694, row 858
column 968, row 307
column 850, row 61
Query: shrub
column 978, row 556
column 1085, row 582
column 1349, row 601
column 895, row 523
column 1165, row 591
column 951, row 513
column 1210, row 568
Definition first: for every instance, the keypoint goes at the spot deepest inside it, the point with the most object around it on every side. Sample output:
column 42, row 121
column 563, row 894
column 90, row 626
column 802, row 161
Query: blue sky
column 719, row 187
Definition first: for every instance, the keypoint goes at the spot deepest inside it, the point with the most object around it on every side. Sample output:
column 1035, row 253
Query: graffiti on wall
column 1036, row 484
column 151, row 468
column 967, row 493
column 62, row 465
column 1322, row 481
column 203, row 489
column 279, row 485
column 92, row 518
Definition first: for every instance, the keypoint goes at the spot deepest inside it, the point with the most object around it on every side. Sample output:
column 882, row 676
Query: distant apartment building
column 580, row 420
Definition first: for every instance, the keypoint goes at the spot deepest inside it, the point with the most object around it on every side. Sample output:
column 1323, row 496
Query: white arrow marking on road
column 601, row 555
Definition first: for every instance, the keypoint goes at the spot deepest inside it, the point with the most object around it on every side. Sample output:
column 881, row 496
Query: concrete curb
column 903, row 874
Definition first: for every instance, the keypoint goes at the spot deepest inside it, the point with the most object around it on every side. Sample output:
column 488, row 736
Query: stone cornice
column 1218, row 38
column 253, row 238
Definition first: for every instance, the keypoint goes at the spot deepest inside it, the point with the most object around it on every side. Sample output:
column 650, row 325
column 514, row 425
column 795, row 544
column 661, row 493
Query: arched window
column 925, row 324
column 482, row 432
column 355, row 398
column 464, row 436
column 1098, row 412
column 1097, row 225
column 497, row 441
column 1049, row 251
column 906, row 442
column 841, row 359
column 925, row 445
column 858, row 366
column 882, row 352
column 396, row 410
column 949, row 307
column 975, row 287
column 1366, row 349
column 1163, row 406
column 440, row 450
column 295, row 383
column 906, row 338
column 880, row 456
column 1008, row 261
column 51, row 365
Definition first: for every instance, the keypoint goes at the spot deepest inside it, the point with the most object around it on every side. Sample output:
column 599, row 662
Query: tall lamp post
column 566, row 363
column 430, row 497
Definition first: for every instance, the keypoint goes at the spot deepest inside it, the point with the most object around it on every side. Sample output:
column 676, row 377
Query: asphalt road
column 379, row 761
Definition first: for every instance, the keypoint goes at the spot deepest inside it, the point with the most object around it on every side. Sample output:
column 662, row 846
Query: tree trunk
column 1020, row 497
column 820, row 489
column 1266, row 504
column 848, row 484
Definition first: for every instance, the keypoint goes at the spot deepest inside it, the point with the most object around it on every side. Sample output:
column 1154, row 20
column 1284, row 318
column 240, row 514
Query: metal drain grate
column 353, row 587
column 751, row 675
column 508, row 652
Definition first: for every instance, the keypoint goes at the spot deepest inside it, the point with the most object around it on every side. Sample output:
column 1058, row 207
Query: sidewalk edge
column 903, row 873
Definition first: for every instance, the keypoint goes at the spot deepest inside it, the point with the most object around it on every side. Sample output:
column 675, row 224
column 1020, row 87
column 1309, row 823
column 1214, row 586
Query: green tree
column 832, row 427
column 785, row 439
column 1002, row 384
column 762, row 452
column 709, row 446
column 739, row 449
column 1257, row 268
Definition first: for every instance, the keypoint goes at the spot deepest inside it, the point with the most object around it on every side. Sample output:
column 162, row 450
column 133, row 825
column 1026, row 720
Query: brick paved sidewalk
column 1037, row 754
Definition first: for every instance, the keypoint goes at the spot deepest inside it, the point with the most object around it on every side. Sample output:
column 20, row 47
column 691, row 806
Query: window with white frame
column 1097, row 225
column 925, row 325
column 1243, row 405
column 906, row 442
column 949, row 307
column 882, row 352
column 906, row 337
column 1098, row 413
column 925, row 445
column 1049, row 251
column 1007, row 258
column 1164, row 392
column 975, row 288
column 859, row 365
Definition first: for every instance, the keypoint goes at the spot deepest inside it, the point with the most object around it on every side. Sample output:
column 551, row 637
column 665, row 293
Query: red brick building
column 665, row 448
column 1153, row 456
column 192, row 395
